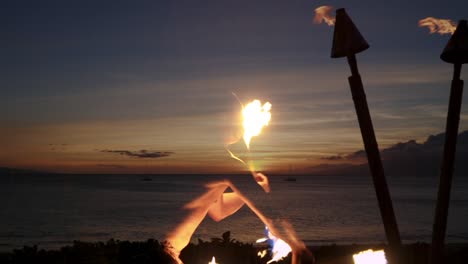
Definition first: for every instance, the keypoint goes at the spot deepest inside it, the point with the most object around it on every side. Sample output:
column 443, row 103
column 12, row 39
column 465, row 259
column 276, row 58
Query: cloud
column 58, row 147
column 402, row 159
column 334, row 157
column 357, row 156
column 141, row 153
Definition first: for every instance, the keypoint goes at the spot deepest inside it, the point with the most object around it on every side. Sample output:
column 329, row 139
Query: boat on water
column 146, row 179
column 290, row 172
column 290, row 179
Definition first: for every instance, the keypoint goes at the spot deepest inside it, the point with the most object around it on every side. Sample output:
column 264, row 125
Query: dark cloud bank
column 141, row 153
column 402, row 159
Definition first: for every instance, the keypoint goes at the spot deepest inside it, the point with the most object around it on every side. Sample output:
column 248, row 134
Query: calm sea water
column 53, row 210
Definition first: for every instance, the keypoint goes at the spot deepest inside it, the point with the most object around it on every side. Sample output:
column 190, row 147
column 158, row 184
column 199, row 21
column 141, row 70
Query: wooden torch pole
column 347, row 42
column 455, row 52
column 445, row 181
column 375, row 162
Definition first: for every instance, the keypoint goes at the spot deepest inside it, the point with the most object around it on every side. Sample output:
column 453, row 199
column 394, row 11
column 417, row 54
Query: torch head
column 456, row 50
column 347, row 40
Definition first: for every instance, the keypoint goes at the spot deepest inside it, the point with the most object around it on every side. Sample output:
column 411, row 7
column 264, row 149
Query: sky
column 146, row 86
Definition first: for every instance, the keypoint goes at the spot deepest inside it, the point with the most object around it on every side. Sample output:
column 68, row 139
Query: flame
column 279, row 251
column 370, row 257
column 213, row 261
column 323, row 13
column 256, row 117
column 436, row 25
column 262, row 253
column 279, row 248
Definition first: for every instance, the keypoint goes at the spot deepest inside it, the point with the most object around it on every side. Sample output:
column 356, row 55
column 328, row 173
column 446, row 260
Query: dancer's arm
column 226, row 205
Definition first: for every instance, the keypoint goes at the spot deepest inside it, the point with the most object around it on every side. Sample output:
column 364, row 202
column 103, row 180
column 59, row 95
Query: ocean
column 52, row 210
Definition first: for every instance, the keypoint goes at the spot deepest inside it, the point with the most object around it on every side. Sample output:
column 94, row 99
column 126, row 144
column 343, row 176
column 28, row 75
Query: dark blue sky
column 71, row 66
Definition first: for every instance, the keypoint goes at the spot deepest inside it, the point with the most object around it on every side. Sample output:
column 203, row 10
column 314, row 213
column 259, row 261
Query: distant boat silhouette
column 146, row 179
column 290, row 179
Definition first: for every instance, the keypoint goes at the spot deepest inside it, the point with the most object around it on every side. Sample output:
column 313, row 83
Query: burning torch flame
column 370, row 257
column 213, row 261
column 323, row 13
column 436, row 25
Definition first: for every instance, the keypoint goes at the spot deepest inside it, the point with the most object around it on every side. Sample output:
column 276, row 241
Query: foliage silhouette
column 226, row 250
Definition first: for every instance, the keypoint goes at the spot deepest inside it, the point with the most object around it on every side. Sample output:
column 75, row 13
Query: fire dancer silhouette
column 218, row 202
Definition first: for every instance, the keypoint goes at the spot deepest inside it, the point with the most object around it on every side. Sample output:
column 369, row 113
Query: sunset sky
column 127, row 87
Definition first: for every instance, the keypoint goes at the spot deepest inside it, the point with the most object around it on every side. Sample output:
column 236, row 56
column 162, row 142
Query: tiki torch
column 456, row 52
column 347, row 41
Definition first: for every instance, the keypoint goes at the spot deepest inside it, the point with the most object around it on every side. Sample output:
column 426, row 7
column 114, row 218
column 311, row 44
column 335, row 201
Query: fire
column 256, row 117
column 279, row 248
column 436, row 25
column 323, row 13
column 370, row 257
column 213, row 261
column 262, row 253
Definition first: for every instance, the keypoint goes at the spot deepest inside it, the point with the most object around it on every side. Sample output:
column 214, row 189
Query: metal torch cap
column 456, row 50
column 347, row 40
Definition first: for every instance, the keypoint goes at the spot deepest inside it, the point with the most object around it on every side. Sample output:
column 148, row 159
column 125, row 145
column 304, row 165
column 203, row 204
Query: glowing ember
column 256, row 117
column 323, row 13
column 213, row 261
column 436, row 25
column 370, row 257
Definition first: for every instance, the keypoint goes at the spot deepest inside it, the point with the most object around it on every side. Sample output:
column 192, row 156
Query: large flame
column 255, row 117
column 323, row 13
column 370, row 257
column 436, row 25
